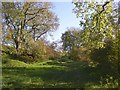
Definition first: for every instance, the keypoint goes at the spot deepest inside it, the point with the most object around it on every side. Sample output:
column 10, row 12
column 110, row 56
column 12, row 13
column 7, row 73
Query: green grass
column 48, row 74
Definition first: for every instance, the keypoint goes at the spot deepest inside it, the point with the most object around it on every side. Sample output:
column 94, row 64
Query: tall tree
column 71, row 38
column 27, row 19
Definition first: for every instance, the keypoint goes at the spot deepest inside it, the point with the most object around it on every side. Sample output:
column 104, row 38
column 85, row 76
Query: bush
column 79, row 54
column 64, row 59
column 106, row 57
column 51, row 54
column 33, row 51
column 14, row 63
column 8, row 49
column 107, row 82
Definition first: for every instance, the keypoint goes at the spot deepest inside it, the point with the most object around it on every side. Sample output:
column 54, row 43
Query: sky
column 66, row 19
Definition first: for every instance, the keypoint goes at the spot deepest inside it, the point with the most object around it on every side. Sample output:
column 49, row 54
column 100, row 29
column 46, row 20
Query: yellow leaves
column 99, row 8
column 109, row 35
column 8, row 37
column 109, row 8
column 99, row 44
column 101, row 29
column 9, row 33
column 110, row 28
column 88, row 33
column 26, row 5
column 102, row 23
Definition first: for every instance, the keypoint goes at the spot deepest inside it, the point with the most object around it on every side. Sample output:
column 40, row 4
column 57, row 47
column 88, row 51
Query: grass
column 48, row 74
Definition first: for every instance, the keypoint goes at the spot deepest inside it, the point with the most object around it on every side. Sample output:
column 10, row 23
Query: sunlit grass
column 49, row 74
column 19, row 74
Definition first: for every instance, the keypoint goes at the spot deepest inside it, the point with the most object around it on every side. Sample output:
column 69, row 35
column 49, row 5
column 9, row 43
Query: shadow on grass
column 71, row 75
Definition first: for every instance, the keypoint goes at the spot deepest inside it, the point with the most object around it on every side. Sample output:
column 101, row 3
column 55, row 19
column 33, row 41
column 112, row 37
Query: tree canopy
column 99, row 21
column 71, row 38
column 22, row 20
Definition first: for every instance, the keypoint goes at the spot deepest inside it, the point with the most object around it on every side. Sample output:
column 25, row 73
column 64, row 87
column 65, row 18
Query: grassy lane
column 48, row 74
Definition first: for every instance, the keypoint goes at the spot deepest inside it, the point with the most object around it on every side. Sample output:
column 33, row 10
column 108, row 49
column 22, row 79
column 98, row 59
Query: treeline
column 76, row 49
column 37, row 51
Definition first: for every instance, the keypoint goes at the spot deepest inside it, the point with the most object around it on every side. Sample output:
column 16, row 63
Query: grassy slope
column 45, row 74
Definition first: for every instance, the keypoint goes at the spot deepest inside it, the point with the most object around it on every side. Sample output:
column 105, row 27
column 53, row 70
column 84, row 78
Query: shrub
column 106, row 57
column 79, row 54
column 51, row 54
column 64, row 59
column 33, row 51
column 14, row 63
column 109, row 82
column 8, row 49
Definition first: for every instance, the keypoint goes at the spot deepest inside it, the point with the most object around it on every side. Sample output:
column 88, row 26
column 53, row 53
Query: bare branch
column 42, row 34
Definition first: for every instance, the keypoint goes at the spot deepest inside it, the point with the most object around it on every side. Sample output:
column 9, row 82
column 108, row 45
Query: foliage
column 72, row 43
column 52, row 54
column 39, row 50
column 24, row 19
column 98, row 22
column 33, row 51
column 8, row 49
column 24, row 25
column 64, row 58
column 71, row 38
column 100, row 35
column 79, row 54
column 109, row 82
column 14, row 63
column 106, row 57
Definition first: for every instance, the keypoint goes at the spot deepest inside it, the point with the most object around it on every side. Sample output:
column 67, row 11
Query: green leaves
column 97, row 24
column 28, row 18
column 71, row 39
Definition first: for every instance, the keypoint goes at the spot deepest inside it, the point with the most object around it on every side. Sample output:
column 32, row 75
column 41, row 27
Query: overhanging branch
column 103, row 9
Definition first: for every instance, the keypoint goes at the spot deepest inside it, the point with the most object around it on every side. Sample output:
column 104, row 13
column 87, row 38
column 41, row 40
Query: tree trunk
column 16, row 46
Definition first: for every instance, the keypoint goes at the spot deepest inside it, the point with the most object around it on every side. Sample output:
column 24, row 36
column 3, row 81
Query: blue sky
column 66, row 19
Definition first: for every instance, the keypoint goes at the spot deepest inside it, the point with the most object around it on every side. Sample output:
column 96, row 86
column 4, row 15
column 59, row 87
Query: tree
column 73, row 44
column 98, row 21
column 27, row 19
column 79, row 53
column 71, row 38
